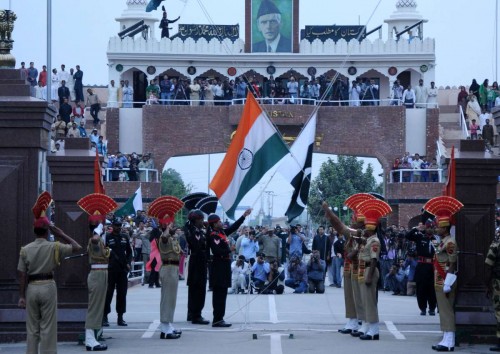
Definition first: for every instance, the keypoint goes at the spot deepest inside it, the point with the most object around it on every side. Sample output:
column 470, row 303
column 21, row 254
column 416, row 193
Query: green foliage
column 172, row 184
column 337, row 181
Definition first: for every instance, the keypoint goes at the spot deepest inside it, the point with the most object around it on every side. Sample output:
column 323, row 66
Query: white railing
column 408, row 175
column 150, row 175
column 137, row 271
column 463, row 124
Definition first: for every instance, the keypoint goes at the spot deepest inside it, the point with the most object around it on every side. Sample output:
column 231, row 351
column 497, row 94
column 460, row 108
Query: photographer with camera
column 297, row 273
column 260, row 272
column 275, row 278
column 315, row 273
column 294, row 242
column 283, row 236
column 239, row 275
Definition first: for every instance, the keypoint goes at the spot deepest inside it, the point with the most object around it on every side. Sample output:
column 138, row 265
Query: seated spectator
column 81, row 129
column 275, row 279
column 410, row 265
column 73, row 131
column 260, row 272
column 65, row 110
column 239, row 271
column 396, row 280
column 297, row 272
column 316, row 273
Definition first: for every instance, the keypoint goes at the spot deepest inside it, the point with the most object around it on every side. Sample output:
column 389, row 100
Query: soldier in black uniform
column 119, row 266
column 221, row 263
column 424, row 272
column 197, row 269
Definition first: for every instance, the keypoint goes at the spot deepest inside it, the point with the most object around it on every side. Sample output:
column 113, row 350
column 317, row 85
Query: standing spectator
column 63, row 74
column 409, row 97
column 371, row 94
column 283, row 236
column 143, row 235
column 70, row 83
column 55, row 86
column 421, row 94
column 316, row 273
column 195, row 92
column 473, row 109
column 41, row 91
column 396, row 94
column 95, row 106
column 145, row 164
column 410, row 265
column 119, row 266
column 152, row 90
column 337, row 261
column 314, row 90
column 62, row 92
column 32, row 74
column 165, row 90
column 65, row 109
column 128, row 95
column 120, row 93
column 228, row 93
column 483, row 94
column 293, row 88
column 305, row 92
column 78, row 76
column 462, row 99
column 270, row 245
column 474, row 128
column 221, row 264
column 241, row 90
column 24, row 71
column 294, row 242
column 133, row 170
column 354, row 93
column 112, row 95
column 249, row 246
column 387, row 255
column 297, row 275
column 208, row 93
column 432, row 96
column 493, row 93
column 416, row 164
column 322, row 244
column 42, row 78
column 487, row 134
column 218, row 93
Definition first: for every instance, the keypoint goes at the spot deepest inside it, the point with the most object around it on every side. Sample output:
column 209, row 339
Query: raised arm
column 335, row 221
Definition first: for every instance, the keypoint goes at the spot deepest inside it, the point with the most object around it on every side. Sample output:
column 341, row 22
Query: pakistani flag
column 296, row 168
column 131, row 206
column 256, row 148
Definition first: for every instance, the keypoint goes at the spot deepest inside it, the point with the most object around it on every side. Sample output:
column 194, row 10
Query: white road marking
column 273, row 314
column 151, row 329
column 275, row 342
column 392, row 328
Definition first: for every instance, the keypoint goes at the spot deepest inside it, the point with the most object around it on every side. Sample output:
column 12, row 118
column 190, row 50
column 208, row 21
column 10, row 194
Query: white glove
column 448, row 282
column 99, row 230
column 446, row 289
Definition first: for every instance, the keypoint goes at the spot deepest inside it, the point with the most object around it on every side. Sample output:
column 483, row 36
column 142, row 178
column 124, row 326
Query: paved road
column 311, row 320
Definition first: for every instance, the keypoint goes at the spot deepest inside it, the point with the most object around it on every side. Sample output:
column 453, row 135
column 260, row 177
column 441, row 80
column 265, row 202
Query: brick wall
column 432, row 132
column 121, row 191
column 113, row 129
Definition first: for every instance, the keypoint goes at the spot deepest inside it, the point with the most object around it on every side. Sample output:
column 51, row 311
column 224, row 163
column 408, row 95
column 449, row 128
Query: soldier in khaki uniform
column 355, row 311
column 492, row 278
column 164, row 208
column 445, row 264
column 97, row 206
column 37, row 262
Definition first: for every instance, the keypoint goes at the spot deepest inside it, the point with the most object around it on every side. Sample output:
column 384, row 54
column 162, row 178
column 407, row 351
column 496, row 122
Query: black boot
column 105, row 322
column 121, row 321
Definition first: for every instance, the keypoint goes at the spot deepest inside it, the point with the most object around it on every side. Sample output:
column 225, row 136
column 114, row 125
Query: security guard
column 37, row 262
column 445, row 264
column 424, row 273
column 493, row 281
column 119, row 266
column 96, row 205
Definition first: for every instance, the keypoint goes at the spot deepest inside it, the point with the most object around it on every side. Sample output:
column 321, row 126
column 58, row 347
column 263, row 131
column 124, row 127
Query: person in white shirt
column 112, row 95
column 482, row 118
column 416, row 164
column 239, row 272
column 421, row 94
column 70, row 83
column 63, row 75
column 432, row 96
column 409, row 97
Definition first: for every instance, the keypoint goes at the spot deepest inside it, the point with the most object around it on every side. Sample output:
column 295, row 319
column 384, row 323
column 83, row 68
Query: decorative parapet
column 227, row 47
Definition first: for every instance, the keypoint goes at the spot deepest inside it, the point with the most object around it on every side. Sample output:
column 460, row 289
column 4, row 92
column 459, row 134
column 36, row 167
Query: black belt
column 41, row 276
column 225, row 258
column 167, row 262
column 425, row 260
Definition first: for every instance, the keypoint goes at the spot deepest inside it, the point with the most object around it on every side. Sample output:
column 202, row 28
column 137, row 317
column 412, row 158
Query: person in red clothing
column 79, row 112
column 42, row 77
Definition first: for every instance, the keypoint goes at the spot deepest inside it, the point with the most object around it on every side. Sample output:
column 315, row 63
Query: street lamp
column 339, row 211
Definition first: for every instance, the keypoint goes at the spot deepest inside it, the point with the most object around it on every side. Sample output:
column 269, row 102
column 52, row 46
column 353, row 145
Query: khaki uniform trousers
column 369, row 297
column 358, row 301
column 169, row 276
column 445, row 305
column 41, row 317
column 97, row 283
column 350, row 307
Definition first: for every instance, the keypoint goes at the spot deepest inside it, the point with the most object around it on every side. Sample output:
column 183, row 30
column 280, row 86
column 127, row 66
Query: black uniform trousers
column 196, row 299
column 219, row 297
column 424, row 281
column 119, row 281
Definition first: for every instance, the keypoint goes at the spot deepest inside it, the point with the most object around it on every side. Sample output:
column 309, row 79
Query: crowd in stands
column 477, row 105
column 419, row 164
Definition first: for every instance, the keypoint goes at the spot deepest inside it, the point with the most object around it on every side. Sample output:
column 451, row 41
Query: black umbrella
column 377, row 195
column 190, row 200
column 208, row 205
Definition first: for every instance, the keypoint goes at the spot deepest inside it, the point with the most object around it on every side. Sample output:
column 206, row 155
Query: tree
column 337, row 181
column 172, row 184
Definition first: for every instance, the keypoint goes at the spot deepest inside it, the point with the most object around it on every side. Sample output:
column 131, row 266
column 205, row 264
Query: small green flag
column 131, row 206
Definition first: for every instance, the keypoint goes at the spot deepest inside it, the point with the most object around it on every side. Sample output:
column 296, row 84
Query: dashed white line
column 273, row 314
column 275, row 342
column 151, row 329
column 392, row 328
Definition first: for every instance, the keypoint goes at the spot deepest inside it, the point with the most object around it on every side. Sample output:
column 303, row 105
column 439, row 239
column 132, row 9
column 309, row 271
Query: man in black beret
column 269, row 24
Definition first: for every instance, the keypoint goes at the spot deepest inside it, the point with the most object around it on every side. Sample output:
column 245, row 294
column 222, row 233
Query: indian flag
column 256, row 148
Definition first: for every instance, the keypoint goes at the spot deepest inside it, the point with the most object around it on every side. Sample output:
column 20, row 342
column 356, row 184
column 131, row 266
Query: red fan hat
column 443, row 208
column 373, row 210
column 39, row 211
column 354, row 200
column 97, row 206
column 164, row 209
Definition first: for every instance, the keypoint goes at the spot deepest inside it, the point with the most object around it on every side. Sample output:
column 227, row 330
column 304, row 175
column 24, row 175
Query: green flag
column 131, row 206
